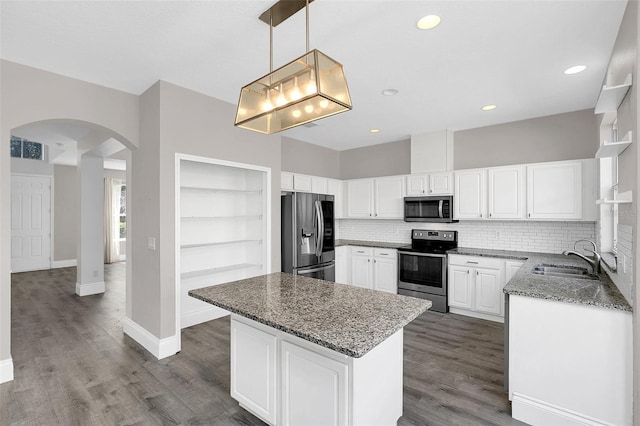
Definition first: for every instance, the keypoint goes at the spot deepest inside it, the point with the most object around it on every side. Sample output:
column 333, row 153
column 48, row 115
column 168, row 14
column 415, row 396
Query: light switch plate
column 151, row 243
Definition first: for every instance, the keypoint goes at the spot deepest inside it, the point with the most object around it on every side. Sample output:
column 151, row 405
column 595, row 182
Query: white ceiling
column 509, row 53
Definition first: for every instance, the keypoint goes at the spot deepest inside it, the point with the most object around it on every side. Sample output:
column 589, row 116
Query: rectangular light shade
column 306, row 89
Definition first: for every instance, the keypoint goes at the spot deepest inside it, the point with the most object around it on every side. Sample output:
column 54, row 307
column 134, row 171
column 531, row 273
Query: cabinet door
column 488, row 291
column 342, row 264
column 360, row 198
column 506, row 192
column 362, row 271
column 334, row 187
column 511, row 267
column 314, row 388
column 470, row 201
column 440, row 183
column 389, row 198
column 286, row 181
column 253, row 370
column 417, row 185
column 554, row 190
column 302, row 183
column 319, row 185
column 385, row 274
column 460, row 287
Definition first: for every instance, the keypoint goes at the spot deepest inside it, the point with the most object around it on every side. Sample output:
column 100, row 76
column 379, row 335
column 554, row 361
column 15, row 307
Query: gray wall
column 31, row 167
column 306, row 158
column 568, row 136
column 66, row 203
column 387, row 159
column 30, row 95
column 116, row 174
column 177, row 120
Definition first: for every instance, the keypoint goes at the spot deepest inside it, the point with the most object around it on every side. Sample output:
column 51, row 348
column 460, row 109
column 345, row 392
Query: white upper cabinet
column 286, row 181
column 302, row 183
column 319, row 185
column 360, row 198
column 335, row 188
column 381, row 198
column 470, row 201
column 389, row 198
column 430, row 184
column 554, row 190
column 507, row 188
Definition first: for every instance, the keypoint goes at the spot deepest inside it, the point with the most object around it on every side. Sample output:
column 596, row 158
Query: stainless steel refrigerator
column 308, row 238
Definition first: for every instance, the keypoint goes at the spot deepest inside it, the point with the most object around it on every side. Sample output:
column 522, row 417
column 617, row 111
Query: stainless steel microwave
column 429, row 209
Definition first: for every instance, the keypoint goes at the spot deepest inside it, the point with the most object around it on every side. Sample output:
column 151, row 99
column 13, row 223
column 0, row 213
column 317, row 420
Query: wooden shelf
column 236, row 191
column 237, row 217
column 623, row 198
column 611, row 97
column 219, row 243
column 615, row 148
column 221, row 270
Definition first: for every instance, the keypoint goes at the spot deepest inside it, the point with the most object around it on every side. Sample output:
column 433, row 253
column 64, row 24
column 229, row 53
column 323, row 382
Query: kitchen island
column 307, row 351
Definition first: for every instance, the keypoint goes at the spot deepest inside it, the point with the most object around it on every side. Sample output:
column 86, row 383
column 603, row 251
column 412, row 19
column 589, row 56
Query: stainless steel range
column 422, row 266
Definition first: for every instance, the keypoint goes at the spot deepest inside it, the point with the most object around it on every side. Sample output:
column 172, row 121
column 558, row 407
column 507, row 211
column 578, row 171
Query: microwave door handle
column 440, row 206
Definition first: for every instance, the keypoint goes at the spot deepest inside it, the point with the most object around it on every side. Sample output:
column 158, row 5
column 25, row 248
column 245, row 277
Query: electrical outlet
column 151, row 243
column 497, row 235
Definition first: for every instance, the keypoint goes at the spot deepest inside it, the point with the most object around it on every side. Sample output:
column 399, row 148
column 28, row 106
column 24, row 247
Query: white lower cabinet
column 342, row 265
column 314, row 388
column 475, row 286
column 374, row 268
column 253, row 370
column 285, row 380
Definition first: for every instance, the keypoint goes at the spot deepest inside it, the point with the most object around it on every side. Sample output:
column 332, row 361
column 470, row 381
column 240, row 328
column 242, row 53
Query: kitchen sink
column 563, row 271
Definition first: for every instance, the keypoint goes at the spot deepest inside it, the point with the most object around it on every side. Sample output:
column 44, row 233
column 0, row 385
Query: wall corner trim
column 160, row 348
column 6, row 370
column 64, row 263
column 90, row 288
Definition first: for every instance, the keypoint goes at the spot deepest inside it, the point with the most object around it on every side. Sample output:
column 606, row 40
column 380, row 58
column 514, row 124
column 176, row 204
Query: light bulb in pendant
column 294, row 93
column 280, row 99
column 308, row 109
column 311, row 88
column 296, row 113
column 324, row 103
column 267, row 105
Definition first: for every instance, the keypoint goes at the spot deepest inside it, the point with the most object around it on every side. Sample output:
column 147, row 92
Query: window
column 123, row 211
column 23, row 148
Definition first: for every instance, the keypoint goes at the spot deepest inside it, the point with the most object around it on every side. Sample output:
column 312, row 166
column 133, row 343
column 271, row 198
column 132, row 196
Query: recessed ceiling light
column 575, row 70
column 374, row 131
column 390, row 92
column 488, row 107
column 428, row 22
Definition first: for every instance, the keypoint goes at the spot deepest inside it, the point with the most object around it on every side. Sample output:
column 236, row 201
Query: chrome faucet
column 595, row 262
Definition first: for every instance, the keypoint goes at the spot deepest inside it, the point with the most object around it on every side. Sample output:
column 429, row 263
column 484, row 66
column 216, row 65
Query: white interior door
column 30, row 222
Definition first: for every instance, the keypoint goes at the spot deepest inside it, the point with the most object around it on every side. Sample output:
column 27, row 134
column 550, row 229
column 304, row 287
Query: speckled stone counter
column 361, row 243
column 602, row 293
column 346, row 319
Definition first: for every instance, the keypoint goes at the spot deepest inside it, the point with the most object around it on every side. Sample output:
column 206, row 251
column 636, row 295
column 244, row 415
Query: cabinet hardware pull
column 478, row 273
column 473, row 263
column 384, row 254
column 480, row 214
column 374, row 261
column 467, row 272
column 376, row 214
column 360, row 251
column 368, row 260
column 489, row 214
column 529, row 214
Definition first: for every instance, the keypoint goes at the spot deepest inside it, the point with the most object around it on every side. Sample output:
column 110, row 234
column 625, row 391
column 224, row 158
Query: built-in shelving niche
column 223, row 233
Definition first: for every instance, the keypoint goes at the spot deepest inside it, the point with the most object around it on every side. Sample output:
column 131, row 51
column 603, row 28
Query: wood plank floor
column 74, row 366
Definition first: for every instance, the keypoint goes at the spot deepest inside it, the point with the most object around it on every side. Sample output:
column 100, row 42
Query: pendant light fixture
column 306, row 89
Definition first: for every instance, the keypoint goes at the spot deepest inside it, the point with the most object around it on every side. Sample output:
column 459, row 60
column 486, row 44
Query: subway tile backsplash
column 623, row 277
column 542, row 237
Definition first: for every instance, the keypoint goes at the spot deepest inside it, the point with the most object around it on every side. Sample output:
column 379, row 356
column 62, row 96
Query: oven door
column 423, row 272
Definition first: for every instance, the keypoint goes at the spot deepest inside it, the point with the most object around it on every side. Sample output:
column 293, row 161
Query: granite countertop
column 362, row 243
column 346, row 319
column 602, row 293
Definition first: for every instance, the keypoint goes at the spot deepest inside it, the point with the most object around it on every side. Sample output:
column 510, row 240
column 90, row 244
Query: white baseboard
column 160, row 348
column 474, row 314
column 64, row 263
column 536, row 412
column 203, row 315
column 90, row 288
column 6, row 370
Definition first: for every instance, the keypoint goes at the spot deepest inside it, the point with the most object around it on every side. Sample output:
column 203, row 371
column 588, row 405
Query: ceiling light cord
column 307, row 14
column 270, row 41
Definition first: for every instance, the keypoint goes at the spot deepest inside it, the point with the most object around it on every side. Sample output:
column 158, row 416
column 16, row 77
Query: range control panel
column 423, row 234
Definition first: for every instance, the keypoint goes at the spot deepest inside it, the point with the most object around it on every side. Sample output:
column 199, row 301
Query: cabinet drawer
column 475, row 261
column 361, row 251
column 391, row 253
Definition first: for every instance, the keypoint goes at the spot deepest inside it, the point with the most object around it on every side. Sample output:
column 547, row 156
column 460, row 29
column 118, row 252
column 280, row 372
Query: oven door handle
column 440, row 207
column 405, row 253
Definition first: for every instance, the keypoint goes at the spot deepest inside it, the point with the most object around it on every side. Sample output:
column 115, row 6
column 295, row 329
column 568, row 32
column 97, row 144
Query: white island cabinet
column 335, row 358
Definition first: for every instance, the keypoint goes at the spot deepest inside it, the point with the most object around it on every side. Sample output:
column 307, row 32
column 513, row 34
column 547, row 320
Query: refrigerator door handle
column 309, row 271
column 318, row 228
column 321, row 233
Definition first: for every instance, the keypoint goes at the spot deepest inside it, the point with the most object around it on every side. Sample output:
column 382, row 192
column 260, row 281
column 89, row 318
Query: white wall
column 542, row 237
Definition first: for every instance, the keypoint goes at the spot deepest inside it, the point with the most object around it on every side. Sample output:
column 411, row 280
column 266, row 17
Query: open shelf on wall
column 217, row 243
column 615, row 148
column 227, row 190
column 611, row 96
column 623, row 198
column 221, row 270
